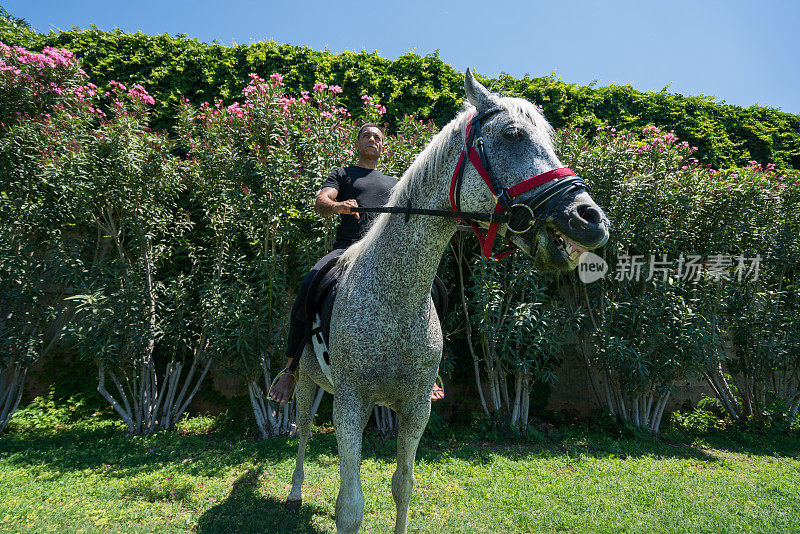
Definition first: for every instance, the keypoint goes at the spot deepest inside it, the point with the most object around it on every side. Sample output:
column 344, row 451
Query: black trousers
column 299, row 321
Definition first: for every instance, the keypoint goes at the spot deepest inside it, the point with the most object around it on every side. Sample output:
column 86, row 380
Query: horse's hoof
column 294, row 505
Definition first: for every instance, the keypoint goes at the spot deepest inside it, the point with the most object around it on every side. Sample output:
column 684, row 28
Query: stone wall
column 571, row 393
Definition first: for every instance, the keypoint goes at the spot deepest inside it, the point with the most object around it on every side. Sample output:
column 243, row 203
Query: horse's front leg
column 304, row 397
column 350, row 416
column 412, row 419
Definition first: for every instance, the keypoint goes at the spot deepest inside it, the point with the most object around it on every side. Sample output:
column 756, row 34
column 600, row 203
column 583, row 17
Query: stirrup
column 275, row 381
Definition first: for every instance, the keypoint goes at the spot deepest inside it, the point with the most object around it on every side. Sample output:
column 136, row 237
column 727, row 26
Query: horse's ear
column 477, row 94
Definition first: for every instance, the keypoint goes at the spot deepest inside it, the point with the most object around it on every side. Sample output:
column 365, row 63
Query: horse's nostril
column 590, row 214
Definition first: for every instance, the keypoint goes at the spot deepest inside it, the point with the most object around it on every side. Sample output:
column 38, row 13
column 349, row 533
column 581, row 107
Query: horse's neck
column 404, row 257
column 413, row 250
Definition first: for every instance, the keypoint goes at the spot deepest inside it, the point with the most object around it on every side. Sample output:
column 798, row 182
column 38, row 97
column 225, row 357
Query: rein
column 408, row 211
column 503, row 212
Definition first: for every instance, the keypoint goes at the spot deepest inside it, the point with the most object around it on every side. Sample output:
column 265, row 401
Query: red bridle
column 503, row 195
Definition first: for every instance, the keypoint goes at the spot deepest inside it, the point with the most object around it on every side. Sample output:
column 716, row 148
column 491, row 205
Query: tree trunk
column 659, row 413
column 153, row 408
column 526, row 401
column 459, row 254
column 12, row 382
column 386, row 421
column 515, row 411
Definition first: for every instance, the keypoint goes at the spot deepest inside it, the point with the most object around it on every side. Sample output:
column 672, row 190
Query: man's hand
column 326, row 204
column 344, row 208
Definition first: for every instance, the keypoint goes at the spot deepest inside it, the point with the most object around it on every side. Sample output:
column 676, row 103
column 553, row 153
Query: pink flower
column 234, row 109
column 326, row 114
column 366, row 98
column 276, row 77
column 139, row 93
column 319, row 87
column 335, row 89
column 382, row 110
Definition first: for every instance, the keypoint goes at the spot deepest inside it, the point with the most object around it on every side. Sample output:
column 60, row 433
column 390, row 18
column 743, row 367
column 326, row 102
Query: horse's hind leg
column 304, row 397
column 412, row 419
column 350, row 415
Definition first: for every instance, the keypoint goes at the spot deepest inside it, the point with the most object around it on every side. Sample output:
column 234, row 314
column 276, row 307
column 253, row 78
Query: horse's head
column 550, row 213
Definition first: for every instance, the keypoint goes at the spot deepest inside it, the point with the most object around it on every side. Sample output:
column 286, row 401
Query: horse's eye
column 513, row 135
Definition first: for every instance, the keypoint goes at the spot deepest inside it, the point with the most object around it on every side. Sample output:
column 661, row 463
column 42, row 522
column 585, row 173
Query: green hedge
column 174, row 66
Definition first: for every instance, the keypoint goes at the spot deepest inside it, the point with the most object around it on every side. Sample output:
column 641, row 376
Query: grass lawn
column 85, row 478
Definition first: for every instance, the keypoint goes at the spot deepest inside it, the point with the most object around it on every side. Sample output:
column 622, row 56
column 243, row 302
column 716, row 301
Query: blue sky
column 743, row 52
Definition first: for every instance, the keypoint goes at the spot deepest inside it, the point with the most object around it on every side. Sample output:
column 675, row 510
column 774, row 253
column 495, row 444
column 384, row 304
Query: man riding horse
column 361, row 184
column 494, row 166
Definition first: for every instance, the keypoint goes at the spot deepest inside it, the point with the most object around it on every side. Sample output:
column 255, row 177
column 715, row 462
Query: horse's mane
column 427, row 165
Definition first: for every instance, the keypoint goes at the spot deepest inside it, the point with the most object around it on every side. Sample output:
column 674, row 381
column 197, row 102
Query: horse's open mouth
column 570, row 249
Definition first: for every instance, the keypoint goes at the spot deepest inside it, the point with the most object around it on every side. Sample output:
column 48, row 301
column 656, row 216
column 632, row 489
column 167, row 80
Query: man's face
column 370, row 143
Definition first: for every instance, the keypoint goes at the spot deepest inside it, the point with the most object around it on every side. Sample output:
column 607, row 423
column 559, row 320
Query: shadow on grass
column 109, row 450
column 245, row 510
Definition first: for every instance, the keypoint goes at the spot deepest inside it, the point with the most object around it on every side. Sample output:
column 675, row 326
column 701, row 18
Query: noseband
column 537, row 208
column 534, row 211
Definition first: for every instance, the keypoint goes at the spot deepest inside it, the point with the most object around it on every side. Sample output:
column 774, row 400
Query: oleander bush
column 40, row 93
column 160, row 256
column 703, row 278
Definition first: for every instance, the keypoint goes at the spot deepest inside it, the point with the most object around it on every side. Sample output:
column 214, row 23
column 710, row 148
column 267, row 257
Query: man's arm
column 326, row 204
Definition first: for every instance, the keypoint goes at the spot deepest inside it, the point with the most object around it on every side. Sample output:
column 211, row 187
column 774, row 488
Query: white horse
column 385, row 336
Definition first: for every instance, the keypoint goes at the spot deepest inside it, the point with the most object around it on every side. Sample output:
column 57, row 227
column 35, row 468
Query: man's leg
column 299, row 326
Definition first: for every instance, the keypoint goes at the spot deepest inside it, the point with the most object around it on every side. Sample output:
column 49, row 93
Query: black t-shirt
column 369, row 187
